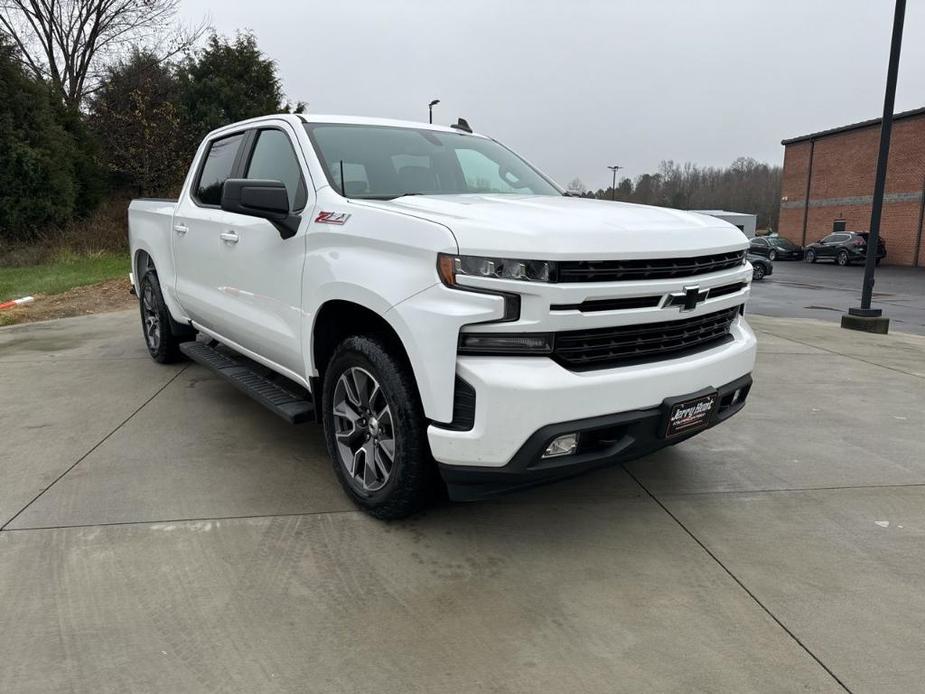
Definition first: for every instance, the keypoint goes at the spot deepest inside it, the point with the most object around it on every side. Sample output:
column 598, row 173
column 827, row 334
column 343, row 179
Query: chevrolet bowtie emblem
column 688, row 299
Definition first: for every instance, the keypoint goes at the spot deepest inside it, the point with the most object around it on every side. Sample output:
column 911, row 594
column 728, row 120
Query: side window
column 274, row 159
column 217, row 167
column 828, row 239
column 759, row 242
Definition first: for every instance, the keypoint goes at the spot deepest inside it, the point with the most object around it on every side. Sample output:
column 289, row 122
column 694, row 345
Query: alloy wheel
column 363, row 429
column 150, row 318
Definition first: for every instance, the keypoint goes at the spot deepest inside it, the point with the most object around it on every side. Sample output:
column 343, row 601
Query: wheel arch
column 337, row 319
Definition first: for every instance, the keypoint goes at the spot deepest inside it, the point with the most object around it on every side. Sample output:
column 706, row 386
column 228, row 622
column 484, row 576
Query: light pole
column 613, row 187
column 864, row 317
column 430, row 110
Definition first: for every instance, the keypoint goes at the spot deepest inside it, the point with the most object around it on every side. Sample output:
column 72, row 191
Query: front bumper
column 605, row 440
column 517, row 396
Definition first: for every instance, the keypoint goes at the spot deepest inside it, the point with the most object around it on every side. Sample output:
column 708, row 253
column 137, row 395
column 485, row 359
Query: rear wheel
column 842, row 258
column 375, row 429
column 772, row 256
column 163, row 345
column 758, row 272
column 810, row 257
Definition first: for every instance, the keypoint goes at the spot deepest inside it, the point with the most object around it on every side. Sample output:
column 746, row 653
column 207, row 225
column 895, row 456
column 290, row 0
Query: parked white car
column 439, row 304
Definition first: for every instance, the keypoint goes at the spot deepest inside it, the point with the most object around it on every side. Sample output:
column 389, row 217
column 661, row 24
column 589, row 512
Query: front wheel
column 809, row 257
column 758, row 272
column 375, row 429
column 772, row 256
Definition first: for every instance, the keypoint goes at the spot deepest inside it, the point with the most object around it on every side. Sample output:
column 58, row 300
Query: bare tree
column 70, row 42
column 577, row 187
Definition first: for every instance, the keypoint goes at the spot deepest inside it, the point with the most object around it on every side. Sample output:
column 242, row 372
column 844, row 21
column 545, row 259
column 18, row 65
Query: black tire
column 842, row 258
column 758, row 272
column 772, row 255
column 157, row 327
column 410, row 481
column 809, row 257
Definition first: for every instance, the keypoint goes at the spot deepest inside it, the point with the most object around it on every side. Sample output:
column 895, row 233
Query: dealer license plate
column 689, row 415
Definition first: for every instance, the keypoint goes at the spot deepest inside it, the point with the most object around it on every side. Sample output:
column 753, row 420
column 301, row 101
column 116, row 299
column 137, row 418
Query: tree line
column 745, row 185
column 102, row 98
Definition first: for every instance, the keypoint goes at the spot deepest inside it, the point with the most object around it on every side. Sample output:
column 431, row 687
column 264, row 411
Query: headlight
column 506, row 343
column 451, row 266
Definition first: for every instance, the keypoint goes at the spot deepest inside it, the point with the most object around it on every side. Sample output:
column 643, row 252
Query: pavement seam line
column 846, row 487
column 255, row 516
column 94, row 447
column 847, row 356
column 738, row 581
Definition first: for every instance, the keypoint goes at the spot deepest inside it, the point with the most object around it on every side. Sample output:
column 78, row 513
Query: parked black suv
column 842, row 247
column 775, row 248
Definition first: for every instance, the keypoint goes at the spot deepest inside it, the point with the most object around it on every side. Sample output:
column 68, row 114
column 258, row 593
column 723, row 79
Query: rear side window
column 759, row 242
column 216, row 168
column 274, row 159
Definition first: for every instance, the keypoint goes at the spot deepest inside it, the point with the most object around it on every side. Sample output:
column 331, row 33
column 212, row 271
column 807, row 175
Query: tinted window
column 840, row 238
column 396, row 161
column 759, row 242
column 273, row 159
column 217, row 168
column 828, row 239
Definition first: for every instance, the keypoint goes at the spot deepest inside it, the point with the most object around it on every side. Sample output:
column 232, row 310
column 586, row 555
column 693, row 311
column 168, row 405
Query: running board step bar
column 294, row 408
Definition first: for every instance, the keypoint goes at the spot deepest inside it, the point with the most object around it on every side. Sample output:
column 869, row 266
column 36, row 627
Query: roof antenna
column 343, row 191
column 462, row 124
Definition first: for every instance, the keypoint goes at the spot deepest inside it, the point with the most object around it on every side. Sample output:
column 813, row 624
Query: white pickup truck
column 440, row 306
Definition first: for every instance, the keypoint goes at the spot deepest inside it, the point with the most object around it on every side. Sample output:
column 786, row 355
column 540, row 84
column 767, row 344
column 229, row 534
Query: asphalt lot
column 162, row 533
column 825, row 291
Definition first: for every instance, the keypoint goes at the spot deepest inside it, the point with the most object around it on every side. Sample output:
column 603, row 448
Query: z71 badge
column 332, row 217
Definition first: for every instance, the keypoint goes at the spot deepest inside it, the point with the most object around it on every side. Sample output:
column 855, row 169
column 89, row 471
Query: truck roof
column 334, row 118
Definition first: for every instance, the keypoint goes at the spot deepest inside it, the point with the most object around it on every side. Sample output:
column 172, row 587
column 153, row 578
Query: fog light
column 566, row 444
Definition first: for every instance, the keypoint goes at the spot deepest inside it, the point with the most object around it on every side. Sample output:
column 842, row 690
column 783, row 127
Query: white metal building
column 746, row 222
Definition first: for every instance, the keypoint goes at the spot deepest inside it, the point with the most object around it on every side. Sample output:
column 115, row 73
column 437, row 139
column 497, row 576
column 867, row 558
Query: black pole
column 886, row 128
column 430, row 113
column 613, row 186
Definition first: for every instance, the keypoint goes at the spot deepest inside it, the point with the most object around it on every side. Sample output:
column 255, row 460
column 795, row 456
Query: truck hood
column 564, row 228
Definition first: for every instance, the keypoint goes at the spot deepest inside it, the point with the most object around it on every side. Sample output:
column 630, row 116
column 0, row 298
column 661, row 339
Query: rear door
column 759, row 246
column 198, row 223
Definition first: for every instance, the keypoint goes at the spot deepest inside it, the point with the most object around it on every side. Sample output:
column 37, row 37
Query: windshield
column 384, row 162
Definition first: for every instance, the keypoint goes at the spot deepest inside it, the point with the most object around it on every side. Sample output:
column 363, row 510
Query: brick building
column 828, row 184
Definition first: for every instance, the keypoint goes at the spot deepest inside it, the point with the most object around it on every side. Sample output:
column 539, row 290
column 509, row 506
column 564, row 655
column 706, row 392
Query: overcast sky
column 577, row 85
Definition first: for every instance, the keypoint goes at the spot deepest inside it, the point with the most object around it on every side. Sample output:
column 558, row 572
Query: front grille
column 659, row 268
column 603, row 348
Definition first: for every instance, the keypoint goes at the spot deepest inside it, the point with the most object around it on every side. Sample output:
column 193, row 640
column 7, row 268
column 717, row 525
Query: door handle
column 228, row 236
column 180, row 229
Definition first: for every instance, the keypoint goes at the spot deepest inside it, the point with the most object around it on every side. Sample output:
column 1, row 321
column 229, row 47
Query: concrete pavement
column 162, row 533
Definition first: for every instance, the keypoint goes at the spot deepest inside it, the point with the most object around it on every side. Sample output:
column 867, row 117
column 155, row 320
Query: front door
column 254, row 293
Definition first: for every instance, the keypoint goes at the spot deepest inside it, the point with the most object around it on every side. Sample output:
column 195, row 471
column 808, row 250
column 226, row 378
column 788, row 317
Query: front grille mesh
column 603, row 348
column 654, row 269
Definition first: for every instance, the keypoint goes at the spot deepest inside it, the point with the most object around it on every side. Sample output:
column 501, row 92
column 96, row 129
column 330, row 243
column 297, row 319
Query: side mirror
column 264, row 199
